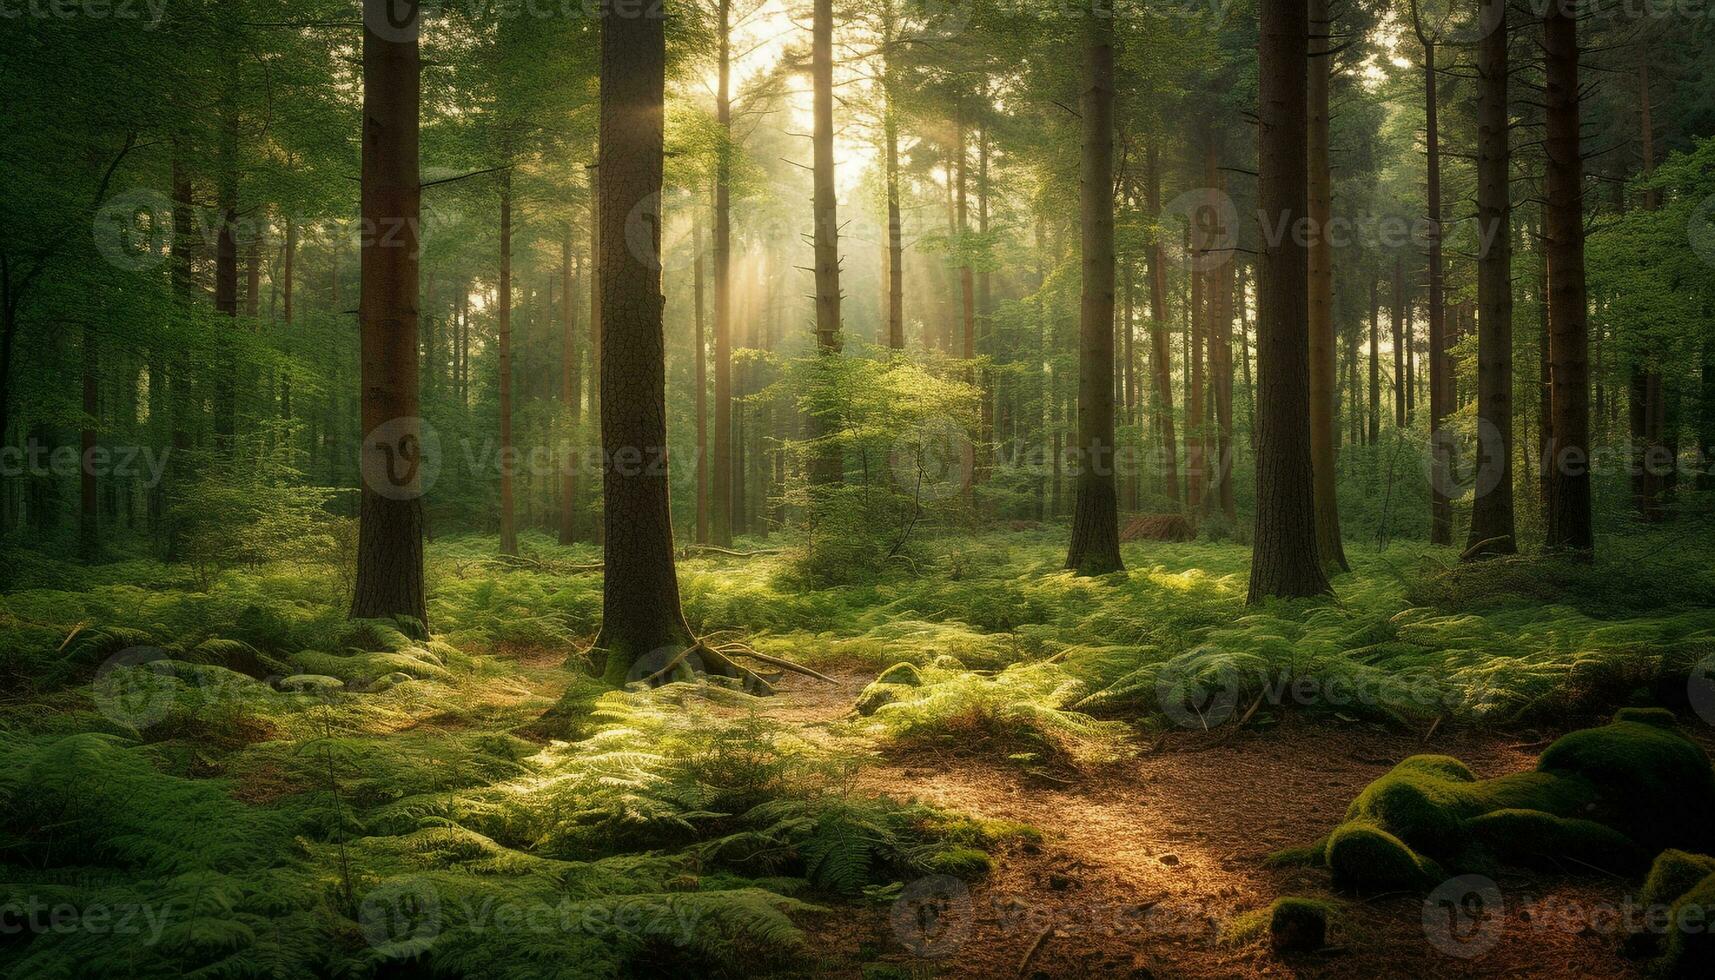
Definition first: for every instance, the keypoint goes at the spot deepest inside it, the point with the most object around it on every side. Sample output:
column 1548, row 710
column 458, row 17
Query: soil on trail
column 1142, row 865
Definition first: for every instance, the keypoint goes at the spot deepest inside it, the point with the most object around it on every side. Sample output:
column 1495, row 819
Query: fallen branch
column 709, row 549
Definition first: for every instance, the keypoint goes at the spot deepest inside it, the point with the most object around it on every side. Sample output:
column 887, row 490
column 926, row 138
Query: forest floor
column 1060, row 724
column 1142, row 866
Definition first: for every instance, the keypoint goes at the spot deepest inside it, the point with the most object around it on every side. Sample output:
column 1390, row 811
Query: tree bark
column 1321, row 285
column 390, row 518
column 827, row 467
column 1285, row 561
column 1441, row 469
column 1492, row 505
column 1647, row 409
column 1375, row 410
column 721, row 501
column 569, row 391
column 700, row 382
column 1569, row 518
column 508, row 520
column 1161, row 355
column 895, row 230
column 640, row 595
column 1095, row 547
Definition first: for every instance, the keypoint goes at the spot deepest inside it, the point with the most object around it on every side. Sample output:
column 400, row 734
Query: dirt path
column 1143, row 864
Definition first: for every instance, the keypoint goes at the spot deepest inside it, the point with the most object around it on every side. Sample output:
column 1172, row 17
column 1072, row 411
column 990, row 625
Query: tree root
column 717, row 660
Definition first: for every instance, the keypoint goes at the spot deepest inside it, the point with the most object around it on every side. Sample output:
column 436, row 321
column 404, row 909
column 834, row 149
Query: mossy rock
column 236, row 655
column 1674, row 873
column 960, row 862
column 1541, row 840
column 878, row 695
column 901, row 673
column 1689, row 949
column 311, row 683
column 1364, row 857
column 1297, row 925
column 391, row 681
column 1651, row 782
column 1605, row 797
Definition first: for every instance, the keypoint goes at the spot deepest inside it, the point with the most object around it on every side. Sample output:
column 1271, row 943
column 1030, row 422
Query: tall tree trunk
column 1375, row 412
column 1441, row 469
column 985, row 322
column 1706, row 422
column 1285, row 561
column 569, row 393
column 390, row 518
column 895, row 229
column 640, row 595
column 597, row 321
column 1161, row 356
column 1095, row 548
column 226, row 263
column 827, row 468
column 1399, row 344
column 1647, row 410
column 1569, row 519
column 1492, row 504
column 1196, row 475
column 700, row 381
column 287, row 288
column 508, row 520
column 721, row 501
column 1322, row 351
column 1221, row 366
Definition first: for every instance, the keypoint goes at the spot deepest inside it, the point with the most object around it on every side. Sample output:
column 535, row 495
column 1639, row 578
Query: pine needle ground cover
column 227, row 778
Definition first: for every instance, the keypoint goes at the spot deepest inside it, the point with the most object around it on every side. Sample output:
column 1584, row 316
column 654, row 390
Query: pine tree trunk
column 226, row 264
column 508, row 520
column 895, row 230
column 1569, row 519
column 390, row 522
column 700, row 381
column 1492, row 503
column 640, row 595
column 1649, row 455
column 1321, row 337
column 1095, row 548
column 721, row 502
column 1285, row 561
column 1161, row 355
column 1375, row 411
column 827, row 467
column 1441, row 474
column 599, row 528
column 569, row 391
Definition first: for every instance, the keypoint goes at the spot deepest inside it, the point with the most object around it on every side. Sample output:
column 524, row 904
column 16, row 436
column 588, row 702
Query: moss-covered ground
column 1071, row 776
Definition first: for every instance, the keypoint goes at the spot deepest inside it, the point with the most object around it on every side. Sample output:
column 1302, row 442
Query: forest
column 882, row 489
